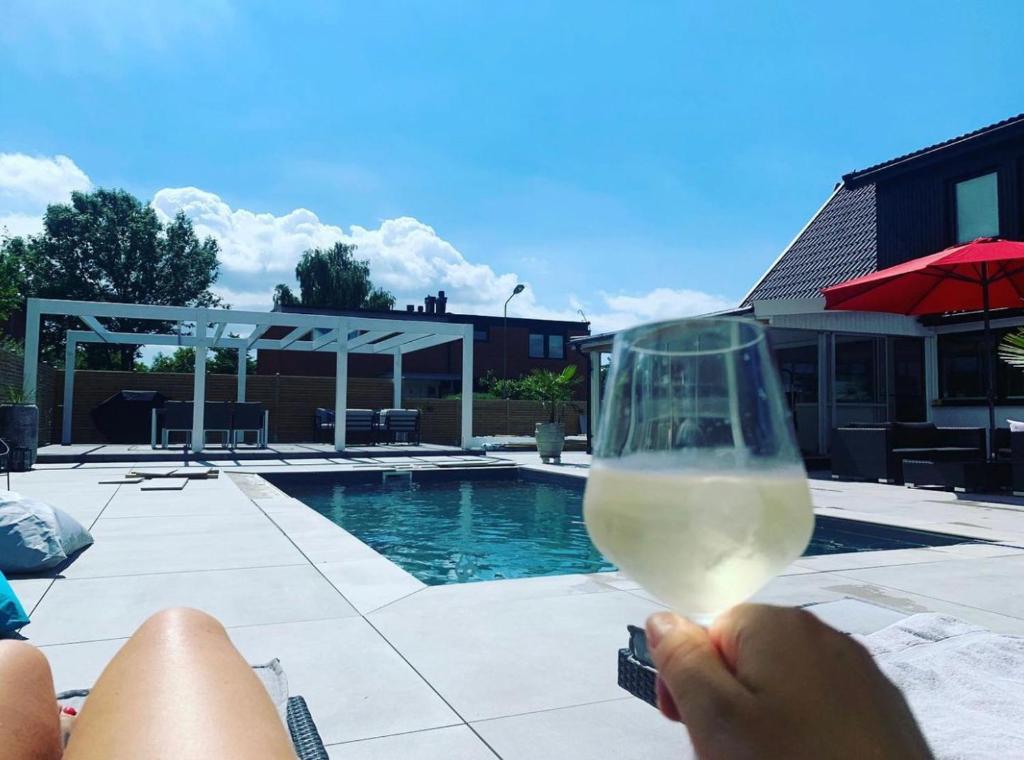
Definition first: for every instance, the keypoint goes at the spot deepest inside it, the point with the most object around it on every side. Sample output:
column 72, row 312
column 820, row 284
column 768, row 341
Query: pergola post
column 396, row 381
column 243, row 360
column 340, row 385
column 31, row 366
column 467, row 385
column 69, row 391
column 595, row 391
column 199, row 385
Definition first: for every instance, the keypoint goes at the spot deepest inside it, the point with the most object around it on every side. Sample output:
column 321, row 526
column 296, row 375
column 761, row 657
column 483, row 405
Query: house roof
column 989, row 131
column 839, row 243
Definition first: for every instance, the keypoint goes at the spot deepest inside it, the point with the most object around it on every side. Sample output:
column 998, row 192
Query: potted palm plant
column 19, row 427
column 554, row 391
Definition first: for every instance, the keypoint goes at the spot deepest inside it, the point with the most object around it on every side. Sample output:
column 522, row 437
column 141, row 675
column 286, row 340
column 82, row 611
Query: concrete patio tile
column 356, row 685
column 485, row 593
column 77, row 666
column 990, row 584
column 163, row 525
column 134, row 555
column 852, row 560
column 625, row 729
column 965, row 551
column 370, row 583
column 235, row 597
column 453, row 743
column 518, row 656
column 29, row 591
column 856, row 616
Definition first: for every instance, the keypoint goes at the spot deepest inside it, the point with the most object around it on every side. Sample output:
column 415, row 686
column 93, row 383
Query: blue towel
column 12, row 614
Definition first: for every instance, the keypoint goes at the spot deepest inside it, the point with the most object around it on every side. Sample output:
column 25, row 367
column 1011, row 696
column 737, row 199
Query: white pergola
column 339, row 335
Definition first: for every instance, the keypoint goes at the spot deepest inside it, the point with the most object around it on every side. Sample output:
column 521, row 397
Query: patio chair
column 876, row 451
column 217, row 419
column 177, row 419
column 249, row 417
column 360, row 423
column 323, row 424
column 404, row 423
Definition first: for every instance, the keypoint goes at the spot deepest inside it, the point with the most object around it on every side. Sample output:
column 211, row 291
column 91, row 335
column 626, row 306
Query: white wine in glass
column 697, row 490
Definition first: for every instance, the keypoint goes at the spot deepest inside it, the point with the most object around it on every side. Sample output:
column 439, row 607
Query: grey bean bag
column 35, row 536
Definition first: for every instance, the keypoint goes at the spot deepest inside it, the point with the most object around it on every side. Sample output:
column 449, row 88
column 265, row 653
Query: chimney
column 419, row 309
column 442, row 302
column 431, row 303
column 410, row 307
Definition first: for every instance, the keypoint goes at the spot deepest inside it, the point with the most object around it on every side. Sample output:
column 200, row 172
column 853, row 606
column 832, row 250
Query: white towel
column 964, row 683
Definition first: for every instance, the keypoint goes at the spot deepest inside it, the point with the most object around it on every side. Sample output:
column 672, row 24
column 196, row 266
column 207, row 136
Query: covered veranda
column 205, row 329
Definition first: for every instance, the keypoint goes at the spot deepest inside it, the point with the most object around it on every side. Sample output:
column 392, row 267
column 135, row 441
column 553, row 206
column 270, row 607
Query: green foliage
column 553, row 390
column 13, row 394
column 12, row 276
column 496, row 387
column 220, row 361
column 108, row 246
column 331, row 278
column 1011, row 348
column 283, row 296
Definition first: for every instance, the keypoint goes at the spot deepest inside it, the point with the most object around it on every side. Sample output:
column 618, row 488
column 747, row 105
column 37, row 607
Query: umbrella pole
column 989, row 370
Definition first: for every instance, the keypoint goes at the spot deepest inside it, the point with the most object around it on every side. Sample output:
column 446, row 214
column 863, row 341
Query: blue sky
column 637, row 160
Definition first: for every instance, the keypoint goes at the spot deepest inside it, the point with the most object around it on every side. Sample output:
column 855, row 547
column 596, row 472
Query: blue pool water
column 478, row 528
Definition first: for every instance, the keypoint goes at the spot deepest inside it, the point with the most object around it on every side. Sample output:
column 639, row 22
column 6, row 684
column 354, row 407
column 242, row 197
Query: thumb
column 704, row 692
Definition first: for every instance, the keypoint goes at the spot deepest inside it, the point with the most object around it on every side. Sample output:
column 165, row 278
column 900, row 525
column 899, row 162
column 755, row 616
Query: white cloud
column 407, row 256
column 29, row 183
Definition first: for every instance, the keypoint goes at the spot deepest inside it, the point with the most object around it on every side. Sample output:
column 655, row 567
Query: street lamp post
column 504, row 336
column 504, row 359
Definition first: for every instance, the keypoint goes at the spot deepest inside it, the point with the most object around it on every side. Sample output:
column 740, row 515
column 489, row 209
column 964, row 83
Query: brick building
column 436, row 372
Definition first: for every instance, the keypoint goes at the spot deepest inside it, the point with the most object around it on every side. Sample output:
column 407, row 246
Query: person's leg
column 29, row 721
column 179, row 689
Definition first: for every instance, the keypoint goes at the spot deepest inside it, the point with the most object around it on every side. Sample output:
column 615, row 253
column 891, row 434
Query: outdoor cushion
column 942, row 453
column 35, row 536
column 12, row 614
column 1016, row 426
column 914, row 434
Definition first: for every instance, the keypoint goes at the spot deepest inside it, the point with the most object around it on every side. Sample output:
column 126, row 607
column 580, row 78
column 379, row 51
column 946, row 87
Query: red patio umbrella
column 985, row 274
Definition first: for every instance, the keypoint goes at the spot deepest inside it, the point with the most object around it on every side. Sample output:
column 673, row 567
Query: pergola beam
column 371, row 336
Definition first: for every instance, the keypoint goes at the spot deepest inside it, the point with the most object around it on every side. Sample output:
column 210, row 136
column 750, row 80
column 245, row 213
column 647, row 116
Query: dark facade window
column 481, row 334
column 556, row 347
column 962, row 369
column 798, row 367
column 860, row 369
column 547, row 346
column 977, row 208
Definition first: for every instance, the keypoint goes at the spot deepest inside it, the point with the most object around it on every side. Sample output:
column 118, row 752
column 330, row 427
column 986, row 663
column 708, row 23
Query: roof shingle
column 838, row 244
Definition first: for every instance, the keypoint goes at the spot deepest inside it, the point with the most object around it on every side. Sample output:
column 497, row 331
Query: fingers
column 702, row 690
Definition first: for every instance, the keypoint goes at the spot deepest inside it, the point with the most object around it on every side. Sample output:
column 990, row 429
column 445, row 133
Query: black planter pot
column 19, row 427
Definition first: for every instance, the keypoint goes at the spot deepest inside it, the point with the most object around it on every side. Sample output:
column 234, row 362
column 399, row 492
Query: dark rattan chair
column 404, row 423
column 249, row 417
column 305, row 737
column 359, row 424
column 323, row 424
column 177, row 419
column 217, row 419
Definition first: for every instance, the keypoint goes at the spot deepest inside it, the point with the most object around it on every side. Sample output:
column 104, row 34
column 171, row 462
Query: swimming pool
column 460, row 526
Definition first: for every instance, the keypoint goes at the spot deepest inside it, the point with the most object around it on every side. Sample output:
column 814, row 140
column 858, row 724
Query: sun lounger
column 400, row 424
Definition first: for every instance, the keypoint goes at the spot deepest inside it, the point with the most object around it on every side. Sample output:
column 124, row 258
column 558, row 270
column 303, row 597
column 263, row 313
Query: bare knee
column 24, row 657
column 182, row 620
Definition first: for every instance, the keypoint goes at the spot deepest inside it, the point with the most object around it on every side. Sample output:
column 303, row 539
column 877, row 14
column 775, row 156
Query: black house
column 842, row 367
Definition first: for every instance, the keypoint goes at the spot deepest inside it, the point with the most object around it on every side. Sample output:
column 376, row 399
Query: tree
column 283, row 296
column 108, row 246
column 332, row 278
column 219, row 361
column 12, row 279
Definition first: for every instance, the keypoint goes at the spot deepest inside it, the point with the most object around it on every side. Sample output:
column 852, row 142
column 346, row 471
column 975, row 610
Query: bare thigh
column 179, row 689
column 29, row 723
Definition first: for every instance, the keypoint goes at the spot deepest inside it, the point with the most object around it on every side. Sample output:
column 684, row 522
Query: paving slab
column 29, row 591
column 453, row 743
column 515, row 656
column 371, row 583
column 356, row 685
column 235, row 597
column 125, row 554
column 624, row 729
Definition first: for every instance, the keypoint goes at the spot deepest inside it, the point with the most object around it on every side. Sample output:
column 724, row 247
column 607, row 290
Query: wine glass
column 696, row 489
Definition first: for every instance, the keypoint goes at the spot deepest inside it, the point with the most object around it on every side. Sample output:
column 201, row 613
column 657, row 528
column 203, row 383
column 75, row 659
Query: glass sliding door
column 798, row 368
column 859, row 380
